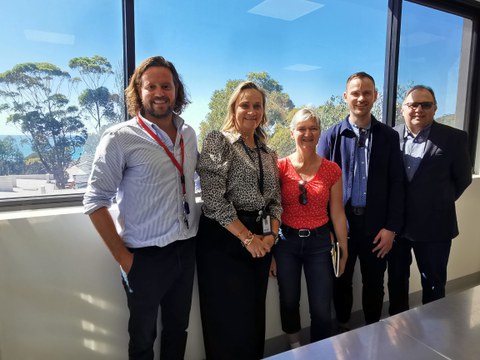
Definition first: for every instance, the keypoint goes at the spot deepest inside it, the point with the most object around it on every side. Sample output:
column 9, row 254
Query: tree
column 333, row 111
column 278, row 104
column 96, row 100
column 35, row 103
column 401, row 95
column 282, row 142
column 11, row 158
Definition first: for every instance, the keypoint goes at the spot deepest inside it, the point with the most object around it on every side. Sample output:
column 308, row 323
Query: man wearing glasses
column 438, row 170
column 369, row 155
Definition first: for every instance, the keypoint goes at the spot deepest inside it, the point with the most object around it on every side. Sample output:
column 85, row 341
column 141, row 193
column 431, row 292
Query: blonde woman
column 239, row 226
column 311, row 189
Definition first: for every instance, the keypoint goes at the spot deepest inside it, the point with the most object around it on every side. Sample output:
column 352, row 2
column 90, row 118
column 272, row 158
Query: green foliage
column 94, row 71
column 282, row 142
column 448, row 119
column 401, row 95
column 35, row 103
column 264, row 80
column 11, row 158
column 99, row 105
column 332, row 112
column 278, row 104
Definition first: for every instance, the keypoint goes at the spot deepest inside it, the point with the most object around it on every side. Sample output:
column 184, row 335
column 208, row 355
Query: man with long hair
column 147, row 164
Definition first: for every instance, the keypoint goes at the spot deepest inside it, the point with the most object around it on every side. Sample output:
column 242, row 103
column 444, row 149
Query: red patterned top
column 314, row 213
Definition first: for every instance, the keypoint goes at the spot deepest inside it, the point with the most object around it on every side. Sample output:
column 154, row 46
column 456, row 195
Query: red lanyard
column 169, row 153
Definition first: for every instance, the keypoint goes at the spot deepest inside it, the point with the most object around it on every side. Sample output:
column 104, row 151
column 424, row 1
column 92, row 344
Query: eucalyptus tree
column 35, row 101
column 99, row 103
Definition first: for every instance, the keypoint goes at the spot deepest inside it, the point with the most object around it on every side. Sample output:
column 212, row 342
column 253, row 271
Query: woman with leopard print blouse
column 239, row 226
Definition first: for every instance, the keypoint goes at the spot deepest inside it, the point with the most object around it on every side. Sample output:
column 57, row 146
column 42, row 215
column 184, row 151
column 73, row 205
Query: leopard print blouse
column 229, row 178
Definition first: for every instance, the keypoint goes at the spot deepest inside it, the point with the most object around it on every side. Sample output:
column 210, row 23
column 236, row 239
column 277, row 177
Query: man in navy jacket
column 369, row 155
column 437, row 170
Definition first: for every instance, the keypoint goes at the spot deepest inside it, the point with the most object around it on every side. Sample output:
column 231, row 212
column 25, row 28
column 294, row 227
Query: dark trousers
column 160, row 276
column 313, row 254
column 373, row 268
column 232, row 289
column 432, row 260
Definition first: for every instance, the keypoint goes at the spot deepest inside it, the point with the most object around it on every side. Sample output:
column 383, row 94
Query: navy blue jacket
column 385, row 184
column 442, row 176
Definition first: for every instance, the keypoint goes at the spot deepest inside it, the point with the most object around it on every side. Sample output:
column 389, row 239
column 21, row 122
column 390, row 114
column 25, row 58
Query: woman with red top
column 311, row 189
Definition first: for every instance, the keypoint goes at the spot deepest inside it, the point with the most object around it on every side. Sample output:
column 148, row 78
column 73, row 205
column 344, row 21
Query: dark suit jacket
column 385, row 172
column 443, row 174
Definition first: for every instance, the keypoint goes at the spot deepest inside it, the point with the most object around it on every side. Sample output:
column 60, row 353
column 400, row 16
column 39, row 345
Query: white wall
column 61, row 295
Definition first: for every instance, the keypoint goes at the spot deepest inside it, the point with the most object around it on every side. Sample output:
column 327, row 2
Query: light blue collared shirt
column 413, row 150
column 360, row 175
column 132, row 167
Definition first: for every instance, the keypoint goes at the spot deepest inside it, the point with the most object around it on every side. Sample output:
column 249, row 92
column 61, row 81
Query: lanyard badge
column 186, row 211
column 186, row 206
column 266, row 221
column 262, row 214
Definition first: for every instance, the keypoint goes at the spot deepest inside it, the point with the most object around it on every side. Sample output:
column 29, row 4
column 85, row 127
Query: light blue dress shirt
column 131, row 167
column 360, row 175
column 413, row 150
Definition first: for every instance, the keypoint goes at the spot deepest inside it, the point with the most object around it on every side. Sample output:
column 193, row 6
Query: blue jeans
column 313, row 254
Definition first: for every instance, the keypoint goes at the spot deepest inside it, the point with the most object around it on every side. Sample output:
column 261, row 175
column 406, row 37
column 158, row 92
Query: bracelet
column 275, row 238
column 241, row 232
column 248, row 240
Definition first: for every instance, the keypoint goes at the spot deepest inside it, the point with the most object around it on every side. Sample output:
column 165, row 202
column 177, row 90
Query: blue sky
column 310, row 47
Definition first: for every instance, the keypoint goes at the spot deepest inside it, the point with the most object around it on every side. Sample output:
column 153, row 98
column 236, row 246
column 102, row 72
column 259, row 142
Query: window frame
column 470, row 72
column 465, row 8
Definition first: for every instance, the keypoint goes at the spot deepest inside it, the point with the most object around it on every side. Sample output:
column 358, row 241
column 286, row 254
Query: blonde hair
column 302, row 115
column 229, row 123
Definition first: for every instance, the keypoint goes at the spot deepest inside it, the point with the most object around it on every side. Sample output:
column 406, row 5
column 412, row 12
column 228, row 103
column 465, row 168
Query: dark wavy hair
column 132, row 96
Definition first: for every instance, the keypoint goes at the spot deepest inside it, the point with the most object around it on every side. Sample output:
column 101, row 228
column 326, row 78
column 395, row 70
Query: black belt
column 357, row 210
column 287, row 230
column 248, row 213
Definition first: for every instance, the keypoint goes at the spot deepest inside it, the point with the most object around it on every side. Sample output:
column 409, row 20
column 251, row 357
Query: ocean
column 26, row 149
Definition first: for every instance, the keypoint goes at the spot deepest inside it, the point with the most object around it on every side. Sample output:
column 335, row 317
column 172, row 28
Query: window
column 300, row 51
column 61, row 83
column 61, row 70
column 430, row 54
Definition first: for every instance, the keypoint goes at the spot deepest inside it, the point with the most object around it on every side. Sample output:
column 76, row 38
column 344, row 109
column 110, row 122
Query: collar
column 420, row 137
column 346, row 126
column 234, row 137
column 178, row 122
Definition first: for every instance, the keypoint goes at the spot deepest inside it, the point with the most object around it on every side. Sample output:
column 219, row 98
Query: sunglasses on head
column 425, row 105
column 302, row 199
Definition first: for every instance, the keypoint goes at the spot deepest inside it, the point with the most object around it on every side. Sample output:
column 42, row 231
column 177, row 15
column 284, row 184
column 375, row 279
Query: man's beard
column 158, row 115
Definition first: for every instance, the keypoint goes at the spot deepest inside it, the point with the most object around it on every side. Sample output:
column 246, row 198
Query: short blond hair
column 302, row 115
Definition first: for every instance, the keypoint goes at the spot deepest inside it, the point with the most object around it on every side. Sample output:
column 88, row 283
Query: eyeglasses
column 426, row 105
column 302, row 199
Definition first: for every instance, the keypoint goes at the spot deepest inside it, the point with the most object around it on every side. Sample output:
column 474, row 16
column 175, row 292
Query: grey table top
column 445, row 329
